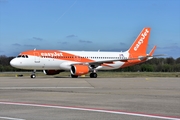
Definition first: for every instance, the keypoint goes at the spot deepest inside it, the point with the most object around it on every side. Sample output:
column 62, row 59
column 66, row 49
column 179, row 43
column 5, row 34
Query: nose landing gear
column 33, row 75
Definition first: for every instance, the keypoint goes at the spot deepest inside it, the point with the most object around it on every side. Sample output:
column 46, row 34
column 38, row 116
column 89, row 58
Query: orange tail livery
column 139, row 46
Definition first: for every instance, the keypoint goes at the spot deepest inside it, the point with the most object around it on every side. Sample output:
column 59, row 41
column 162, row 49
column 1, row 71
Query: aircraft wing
column 98, row 63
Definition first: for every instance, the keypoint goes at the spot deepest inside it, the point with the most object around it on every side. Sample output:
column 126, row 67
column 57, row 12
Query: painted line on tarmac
column 92, row 110
column 21, row 88
column 10, row 118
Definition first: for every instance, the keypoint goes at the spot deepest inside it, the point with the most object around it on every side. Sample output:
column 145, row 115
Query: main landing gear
column 93, row 75
column 33, row 75
column 74, row 76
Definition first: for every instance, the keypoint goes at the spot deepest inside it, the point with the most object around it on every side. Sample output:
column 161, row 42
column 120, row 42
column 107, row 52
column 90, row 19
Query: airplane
column 79, row 63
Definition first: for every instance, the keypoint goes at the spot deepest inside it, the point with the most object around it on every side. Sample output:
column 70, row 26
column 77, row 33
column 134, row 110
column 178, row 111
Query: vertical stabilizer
column 139, row 46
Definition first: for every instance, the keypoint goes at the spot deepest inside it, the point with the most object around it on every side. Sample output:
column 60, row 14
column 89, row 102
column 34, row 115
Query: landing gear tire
column 93, row 75
column 33, row 76
column 74, row 76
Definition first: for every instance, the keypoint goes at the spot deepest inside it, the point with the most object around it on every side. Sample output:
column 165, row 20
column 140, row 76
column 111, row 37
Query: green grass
column 139, row 74
column 104, row 74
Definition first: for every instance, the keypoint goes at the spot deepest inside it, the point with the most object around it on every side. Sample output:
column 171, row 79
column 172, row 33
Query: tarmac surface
column 50, row 98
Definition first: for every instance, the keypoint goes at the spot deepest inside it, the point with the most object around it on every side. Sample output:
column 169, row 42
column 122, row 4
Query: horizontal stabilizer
column 152, row 51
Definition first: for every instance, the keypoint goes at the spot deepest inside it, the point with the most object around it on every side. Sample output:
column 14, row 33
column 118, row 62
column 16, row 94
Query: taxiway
column 23, row 98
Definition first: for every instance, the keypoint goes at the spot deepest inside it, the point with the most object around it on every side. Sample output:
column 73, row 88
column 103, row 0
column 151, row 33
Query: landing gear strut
column 93, row 70
column 33, row 75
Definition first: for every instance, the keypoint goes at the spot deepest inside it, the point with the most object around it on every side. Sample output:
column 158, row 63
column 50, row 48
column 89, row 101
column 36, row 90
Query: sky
column 92, row 25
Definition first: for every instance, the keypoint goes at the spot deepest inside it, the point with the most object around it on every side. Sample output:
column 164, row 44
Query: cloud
column 121, row 43
column 32, row 46
column 173, row 46
column 37, row 38
column 85, row 41
column 170, row 50
column 63, row 43
column 3, row 1
column 71, row 36
column 25, row 45
column 16, row 44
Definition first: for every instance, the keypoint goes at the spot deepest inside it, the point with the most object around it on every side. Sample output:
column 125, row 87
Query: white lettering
column 141, row 40
column 52, row 54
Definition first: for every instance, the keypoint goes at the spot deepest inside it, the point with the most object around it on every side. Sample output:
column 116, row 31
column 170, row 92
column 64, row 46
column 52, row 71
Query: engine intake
column 79, row 69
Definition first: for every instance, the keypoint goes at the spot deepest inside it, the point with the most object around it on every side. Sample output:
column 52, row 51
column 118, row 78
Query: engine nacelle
column 79, row 69
column 52, row 72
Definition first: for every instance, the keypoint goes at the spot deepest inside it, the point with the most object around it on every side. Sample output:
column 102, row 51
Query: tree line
column 154, row 65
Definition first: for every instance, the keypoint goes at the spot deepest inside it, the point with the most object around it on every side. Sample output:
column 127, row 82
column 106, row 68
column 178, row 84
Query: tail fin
column 139, row 46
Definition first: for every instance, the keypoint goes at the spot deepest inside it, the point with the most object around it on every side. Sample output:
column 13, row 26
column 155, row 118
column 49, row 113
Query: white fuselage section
column 47, row 61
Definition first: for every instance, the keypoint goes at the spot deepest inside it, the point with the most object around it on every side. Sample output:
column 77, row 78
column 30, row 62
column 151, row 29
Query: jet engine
column 79, row 69
column 52, row 72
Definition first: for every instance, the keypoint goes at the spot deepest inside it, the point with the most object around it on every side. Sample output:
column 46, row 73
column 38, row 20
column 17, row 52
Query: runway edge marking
column 21, row 88
column 10, row 118
column 92, row 110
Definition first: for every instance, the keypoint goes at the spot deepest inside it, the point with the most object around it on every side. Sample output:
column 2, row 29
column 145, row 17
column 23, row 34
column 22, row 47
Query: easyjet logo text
column 141, row 40
column 52, row 54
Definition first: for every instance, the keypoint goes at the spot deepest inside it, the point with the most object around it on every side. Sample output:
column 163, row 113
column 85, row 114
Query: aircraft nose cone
column 13, row 62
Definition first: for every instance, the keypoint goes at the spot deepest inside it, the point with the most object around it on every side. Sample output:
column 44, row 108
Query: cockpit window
column 22, row 56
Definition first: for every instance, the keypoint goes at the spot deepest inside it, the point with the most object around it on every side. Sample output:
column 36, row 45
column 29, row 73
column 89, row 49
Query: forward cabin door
column 36, row 57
